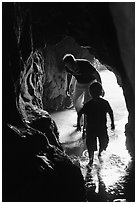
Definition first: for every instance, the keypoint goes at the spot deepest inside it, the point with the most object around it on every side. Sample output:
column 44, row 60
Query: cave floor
column 106, row 181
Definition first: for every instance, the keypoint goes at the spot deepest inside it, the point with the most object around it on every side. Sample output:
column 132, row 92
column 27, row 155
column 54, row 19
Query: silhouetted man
column 85, row 74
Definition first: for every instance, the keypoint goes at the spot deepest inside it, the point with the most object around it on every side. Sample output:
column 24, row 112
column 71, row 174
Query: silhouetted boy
column 96, row 111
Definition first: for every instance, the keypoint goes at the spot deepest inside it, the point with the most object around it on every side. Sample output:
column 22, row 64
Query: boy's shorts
column 91, row 140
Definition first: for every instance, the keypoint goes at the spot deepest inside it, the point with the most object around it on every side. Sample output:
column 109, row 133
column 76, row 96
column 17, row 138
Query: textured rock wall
column 35, row 166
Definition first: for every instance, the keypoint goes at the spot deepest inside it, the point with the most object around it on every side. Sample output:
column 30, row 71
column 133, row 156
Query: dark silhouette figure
column 96, row 110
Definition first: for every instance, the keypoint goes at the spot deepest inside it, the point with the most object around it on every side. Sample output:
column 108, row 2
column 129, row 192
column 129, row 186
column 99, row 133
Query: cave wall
column 34, row 164
column 124, row 21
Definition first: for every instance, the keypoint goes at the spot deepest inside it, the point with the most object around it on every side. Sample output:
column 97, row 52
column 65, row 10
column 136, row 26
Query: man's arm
column 78, row 119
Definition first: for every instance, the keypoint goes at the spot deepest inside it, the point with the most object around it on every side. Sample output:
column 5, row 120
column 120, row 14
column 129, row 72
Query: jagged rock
column 36, row 171
column 34, row 163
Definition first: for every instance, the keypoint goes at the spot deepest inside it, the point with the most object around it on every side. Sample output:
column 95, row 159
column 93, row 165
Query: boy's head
column 95, row 89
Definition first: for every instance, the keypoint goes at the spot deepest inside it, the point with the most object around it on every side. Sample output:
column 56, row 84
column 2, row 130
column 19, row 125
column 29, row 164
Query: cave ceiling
column 89, row 23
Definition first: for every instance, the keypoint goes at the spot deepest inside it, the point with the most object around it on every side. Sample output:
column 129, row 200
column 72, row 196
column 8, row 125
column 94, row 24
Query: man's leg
column 84, row 126
column 87, row 95
column 78, row 97
column 86, row 98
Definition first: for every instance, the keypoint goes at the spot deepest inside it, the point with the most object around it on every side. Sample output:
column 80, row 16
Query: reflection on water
column 107, row 176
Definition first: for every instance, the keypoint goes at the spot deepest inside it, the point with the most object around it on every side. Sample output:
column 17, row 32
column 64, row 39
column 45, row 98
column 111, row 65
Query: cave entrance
column 114, row 94
column 108, row 175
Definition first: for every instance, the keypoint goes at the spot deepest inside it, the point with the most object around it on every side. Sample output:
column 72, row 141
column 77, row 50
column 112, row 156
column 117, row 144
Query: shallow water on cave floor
column 107, row 179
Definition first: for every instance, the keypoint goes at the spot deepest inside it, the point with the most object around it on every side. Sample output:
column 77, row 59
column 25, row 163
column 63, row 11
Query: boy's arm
column 78, row 119
column 110, row 111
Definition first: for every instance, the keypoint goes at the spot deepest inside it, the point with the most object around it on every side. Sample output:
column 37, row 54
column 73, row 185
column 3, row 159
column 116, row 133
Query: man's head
column 95, row 89
column 69, row 61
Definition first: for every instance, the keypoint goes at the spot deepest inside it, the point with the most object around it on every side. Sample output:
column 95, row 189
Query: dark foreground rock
column 34, row 171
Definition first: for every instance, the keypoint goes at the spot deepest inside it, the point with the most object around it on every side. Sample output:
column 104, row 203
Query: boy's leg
column 91, row 156
column 91, row 147
column 103, row 141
